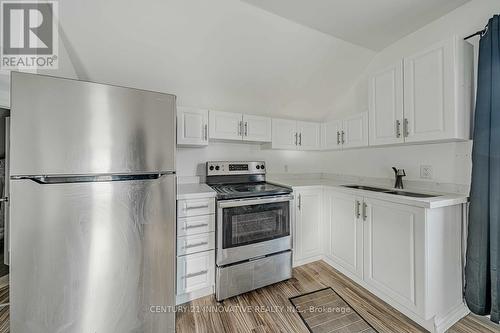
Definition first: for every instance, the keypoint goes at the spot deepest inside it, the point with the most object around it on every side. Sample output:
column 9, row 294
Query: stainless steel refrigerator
column 92, row 207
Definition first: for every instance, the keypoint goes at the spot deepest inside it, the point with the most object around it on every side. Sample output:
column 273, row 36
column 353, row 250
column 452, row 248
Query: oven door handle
column 256, row 201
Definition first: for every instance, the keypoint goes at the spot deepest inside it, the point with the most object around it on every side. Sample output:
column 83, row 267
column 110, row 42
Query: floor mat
column 324, row 311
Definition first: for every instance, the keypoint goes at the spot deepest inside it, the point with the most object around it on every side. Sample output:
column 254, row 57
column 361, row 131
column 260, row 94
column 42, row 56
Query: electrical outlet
column 426, row 171
column 286, row 167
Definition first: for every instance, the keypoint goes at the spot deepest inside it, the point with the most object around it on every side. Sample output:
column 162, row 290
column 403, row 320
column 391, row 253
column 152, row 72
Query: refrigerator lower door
column 95, row 257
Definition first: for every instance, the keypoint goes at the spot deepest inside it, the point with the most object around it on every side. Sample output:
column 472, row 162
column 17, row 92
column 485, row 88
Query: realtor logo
column 29, row 36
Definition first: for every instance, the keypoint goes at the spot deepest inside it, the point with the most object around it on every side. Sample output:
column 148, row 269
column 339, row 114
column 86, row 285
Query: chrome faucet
column 399, row 173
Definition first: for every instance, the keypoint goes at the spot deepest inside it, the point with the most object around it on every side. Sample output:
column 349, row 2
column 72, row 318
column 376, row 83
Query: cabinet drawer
column 195, row 225
column 195, row 271
column 195, row 243
column 195, row 207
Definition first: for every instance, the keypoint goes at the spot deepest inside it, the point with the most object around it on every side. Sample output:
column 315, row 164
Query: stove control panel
column 224, row 168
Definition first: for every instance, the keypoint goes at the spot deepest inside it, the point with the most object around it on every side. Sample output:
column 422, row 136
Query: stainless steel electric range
column 253, row 230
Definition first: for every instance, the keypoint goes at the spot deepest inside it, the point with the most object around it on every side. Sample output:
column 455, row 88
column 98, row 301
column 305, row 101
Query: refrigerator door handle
column 91, row 178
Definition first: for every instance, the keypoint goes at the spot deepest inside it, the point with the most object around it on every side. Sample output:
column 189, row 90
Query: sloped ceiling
column 374, row 24
column 217, row 54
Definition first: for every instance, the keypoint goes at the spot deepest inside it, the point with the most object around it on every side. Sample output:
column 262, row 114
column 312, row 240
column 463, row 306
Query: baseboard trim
column 188, row 297
column 301, row 262
column 443, row 324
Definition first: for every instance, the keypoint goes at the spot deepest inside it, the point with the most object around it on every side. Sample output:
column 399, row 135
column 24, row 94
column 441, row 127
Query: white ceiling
column 217, row 54
column 374, row 24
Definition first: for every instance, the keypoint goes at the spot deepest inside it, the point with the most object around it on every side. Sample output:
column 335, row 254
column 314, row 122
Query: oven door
column 251, row 228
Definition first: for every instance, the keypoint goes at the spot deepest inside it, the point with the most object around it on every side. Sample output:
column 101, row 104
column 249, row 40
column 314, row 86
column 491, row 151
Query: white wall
column 191, row 161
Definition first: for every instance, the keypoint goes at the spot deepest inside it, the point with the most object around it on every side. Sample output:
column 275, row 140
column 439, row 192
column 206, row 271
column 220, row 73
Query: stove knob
column 258, row 166
column 217, row 167
column 211, row 168
column 262, row 166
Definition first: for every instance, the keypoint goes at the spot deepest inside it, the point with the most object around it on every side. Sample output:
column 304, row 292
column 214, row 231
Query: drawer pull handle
column 187, row 276
column 195, row 245
column 186, row 206
column 193, row 226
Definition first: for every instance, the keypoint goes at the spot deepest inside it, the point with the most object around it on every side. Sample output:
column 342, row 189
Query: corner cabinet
column 239, row 127
column 427, row 97
column 295, row 135
column 308, row 217
column 192, row 127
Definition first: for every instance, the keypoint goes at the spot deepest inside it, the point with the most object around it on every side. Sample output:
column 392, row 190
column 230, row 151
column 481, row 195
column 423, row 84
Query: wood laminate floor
column 238, row 318
column 266, row 314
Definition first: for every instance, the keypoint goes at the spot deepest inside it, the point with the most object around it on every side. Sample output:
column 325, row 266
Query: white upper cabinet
column 427, row 98
column 239, row 127
column 437, row 92
column 386, row 106
column 192, row 127
column 331, row 135
column 309, row 137
column 355, row 131
column 284, row 134
column 295, row 135
column 256, row 128
column 225, row 125
column 349, row 132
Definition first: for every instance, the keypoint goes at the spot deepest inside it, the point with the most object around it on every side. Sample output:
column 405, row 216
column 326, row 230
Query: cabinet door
column 308, row 242
column 345, row 229
column 256, row 128
column 284, row 134
column 386, row 106
column 192, row 126
column 225, row 125
column 331, row 135
column 429, row 90
column 309, row 135
column 355, row 131
column 394, row 251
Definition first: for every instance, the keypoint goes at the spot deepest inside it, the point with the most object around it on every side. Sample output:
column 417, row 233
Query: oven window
column 255, row 223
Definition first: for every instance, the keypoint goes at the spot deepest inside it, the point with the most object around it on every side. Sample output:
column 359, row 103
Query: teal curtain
column 482, row 288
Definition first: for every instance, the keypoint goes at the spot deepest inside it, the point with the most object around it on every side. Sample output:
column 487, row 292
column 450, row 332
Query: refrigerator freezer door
column 63, row 126
column 93, row 257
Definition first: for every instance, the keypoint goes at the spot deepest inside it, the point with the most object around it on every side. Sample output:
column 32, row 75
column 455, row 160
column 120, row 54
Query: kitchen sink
column 412, row 194
column 395, row 192
column 366, row 188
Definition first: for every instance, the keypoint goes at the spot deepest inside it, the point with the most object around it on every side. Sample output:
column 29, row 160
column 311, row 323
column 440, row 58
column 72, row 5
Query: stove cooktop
column 247, row 190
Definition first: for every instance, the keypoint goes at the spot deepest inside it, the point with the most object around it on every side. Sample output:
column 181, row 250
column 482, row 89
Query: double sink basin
column 395, row 192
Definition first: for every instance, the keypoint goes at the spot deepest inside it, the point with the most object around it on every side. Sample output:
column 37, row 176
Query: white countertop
column 194, row 191
column 443, row 200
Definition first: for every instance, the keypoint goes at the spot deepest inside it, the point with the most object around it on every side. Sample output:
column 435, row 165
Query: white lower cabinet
column 394, row 251
column 195, row 248
column 195, row 275
column 408, row 256
column 307, row 235
column 344, row 229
